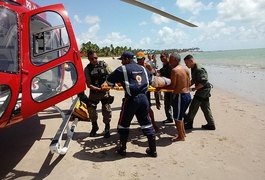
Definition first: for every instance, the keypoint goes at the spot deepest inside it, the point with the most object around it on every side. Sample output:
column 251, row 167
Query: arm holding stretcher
column 157, row 82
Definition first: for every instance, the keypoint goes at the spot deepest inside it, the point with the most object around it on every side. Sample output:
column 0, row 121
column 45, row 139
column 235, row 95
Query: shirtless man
column 180, row 83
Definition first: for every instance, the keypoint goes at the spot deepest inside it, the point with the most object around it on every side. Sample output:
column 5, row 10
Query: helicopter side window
column 49, row 37
column 5, row 97
column 53, row 82
column 8, row 41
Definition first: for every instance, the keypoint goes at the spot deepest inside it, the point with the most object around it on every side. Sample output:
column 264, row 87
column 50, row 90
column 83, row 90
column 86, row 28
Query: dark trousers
column 204, row 103
column 138, row 106
column 168, row 105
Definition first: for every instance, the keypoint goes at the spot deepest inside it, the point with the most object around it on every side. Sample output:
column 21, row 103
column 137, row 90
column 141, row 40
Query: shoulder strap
column 147, row 78
column 126, row 80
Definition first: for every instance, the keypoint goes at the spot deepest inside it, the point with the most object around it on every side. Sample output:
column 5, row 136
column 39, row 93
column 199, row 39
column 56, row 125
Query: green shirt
column 199, row 76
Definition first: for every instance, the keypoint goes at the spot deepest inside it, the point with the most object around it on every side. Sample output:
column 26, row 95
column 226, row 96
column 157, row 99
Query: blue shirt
column 135, row 79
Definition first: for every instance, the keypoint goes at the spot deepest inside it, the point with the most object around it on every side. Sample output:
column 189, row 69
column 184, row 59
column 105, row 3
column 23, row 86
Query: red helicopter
column 40, row 64
column 38, row 56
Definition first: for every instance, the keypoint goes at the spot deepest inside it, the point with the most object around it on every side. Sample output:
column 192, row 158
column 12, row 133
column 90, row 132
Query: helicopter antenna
column 157, row 11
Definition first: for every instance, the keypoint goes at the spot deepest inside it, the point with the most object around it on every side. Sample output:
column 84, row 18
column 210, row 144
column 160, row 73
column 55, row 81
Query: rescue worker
column 96, row 73
column 201, row 97
column 135, row 80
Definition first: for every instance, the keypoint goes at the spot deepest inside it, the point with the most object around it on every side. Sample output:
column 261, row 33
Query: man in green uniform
column 201, row 96
column 96, row 73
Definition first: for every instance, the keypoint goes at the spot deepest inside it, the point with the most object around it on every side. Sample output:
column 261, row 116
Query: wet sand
column 244, row 82
column 235, row 150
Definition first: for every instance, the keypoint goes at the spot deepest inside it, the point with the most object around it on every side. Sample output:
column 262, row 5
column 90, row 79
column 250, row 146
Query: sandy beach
column 235, row 150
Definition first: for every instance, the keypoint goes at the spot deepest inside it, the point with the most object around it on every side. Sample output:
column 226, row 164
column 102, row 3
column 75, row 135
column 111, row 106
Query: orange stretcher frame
column 151, row 89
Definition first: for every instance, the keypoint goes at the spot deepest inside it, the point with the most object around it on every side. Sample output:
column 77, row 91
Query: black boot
column 151, row 151
column 208, row 127
column 94, row 130
column 106, row 131
column 122, row 146
column 167, row 121
column 188, row 124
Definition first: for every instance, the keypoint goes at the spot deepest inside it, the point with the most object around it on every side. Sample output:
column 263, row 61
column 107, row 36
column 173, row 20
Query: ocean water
column 247, row 58
column 240, row 72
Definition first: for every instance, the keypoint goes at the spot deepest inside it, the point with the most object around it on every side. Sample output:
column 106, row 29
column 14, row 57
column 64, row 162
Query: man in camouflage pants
column 96, row 73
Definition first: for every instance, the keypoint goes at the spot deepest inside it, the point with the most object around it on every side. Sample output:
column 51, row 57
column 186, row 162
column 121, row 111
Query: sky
column 222, row 24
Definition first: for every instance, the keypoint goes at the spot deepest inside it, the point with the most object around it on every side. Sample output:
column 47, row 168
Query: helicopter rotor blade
column 157, row 11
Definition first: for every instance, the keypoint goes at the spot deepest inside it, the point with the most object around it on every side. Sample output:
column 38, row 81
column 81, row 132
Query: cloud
column 143, row 23
column 89, row 35
column 250, row 11
column 237, row 24
column 145, row 41
column 170, row 38
column 214, row 30
column 77, row 19
column 194, row 6
column 158, row 19
column 116, row 39
column 220, row 35
column 238, row 21
column 92, row 20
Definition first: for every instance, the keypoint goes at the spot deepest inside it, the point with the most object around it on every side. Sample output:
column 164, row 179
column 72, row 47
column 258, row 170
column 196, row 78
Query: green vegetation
column 117, row 51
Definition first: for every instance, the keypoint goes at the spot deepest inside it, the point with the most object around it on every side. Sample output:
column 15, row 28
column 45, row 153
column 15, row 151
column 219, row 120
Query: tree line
column 111, row 51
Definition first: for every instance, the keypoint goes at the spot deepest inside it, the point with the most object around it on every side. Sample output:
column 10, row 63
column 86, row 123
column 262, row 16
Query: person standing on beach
column 180, row 84
column 151, row 59
column 135, row 80
column 154, row 63
column 166, row 72
column 140, row 56
column 96, row 73
column 201, row 97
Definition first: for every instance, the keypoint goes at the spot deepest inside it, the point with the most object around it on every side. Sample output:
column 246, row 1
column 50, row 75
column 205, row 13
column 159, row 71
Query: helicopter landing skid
column 55, row 146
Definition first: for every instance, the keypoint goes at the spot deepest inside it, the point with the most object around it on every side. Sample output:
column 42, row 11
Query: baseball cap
column 126, row 54
column 140, row 55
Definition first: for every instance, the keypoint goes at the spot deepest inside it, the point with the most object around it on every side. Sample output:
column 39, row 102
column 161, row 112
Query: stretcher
column 157, row 81
column 151, row 89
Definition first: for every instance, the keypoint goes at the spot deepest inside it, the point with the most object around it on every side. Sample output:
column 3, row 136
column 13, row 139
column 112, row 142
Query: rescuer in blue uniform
column 135, row 80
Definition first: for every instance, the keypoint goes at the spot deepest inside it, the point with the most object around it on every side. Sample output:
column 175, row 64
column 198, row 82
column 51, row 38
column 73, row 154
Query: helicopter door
column 9, row 64
column 52, row 68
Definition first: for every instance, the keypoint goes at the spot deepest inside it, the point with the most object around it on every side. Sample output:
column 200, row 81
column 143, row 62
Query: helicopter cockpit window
column 5, row 96
column 8, row 41
column 53, row 82
column 49, row 37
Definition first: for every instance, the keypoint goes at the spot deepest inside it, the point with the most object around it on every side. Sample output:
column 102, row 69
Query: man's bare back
column 180, row 79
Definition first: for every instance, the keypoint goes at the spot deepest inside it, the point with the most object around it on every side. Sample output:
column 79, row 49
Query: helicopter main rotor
column 157, row 11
